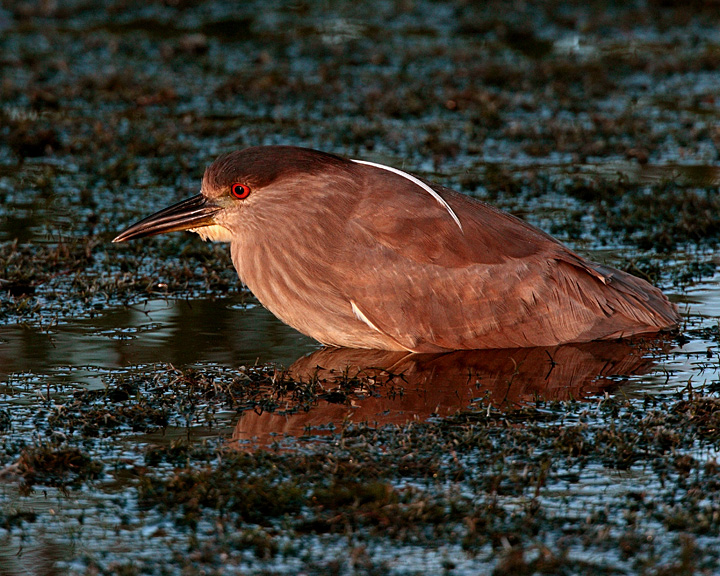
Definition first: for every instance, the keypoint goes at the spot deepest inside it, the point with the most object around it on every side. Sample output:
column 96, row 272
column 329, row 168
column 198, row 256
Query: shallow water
column 232, row 331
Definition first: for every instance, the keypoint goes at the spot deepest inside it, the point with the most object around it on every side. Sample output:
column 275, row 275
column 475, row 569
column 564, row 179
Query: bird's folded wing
column 496, row 283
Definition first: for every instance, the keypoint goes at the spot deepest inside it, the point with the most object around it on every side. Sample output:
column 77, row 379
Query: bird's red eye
column 240, row 191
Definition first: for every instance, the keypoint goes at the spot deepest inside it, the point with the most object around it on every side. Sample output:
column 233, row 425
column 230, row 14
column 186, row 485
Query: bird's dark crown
column 261, row 166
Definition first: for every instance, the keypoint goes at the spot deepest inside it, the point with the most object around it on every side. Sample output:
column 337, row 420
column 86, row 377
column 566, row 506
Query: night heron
column 363, row 255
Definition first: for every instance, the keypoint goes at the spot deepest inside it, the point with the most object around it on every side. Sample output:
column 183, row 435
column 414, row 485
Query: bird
column 358, row 254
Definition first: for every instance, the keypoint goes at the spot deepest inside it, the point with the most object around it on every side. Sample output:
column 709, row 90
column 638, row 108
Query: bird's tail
column 645, row 307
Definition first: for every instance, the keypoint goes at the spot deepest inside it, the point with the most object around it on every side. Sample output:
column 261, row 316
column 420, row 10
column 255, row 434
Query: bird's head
column 234, row 189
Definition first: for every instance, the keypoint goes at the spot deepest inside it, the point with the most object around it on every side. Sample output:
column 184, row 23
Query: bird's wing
column 496, row 282
column 409, row 221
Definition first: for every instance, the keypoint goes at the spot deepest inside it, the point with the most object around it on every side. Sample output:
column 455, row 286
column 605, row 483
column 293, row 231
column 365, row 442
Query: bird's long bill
column 194, row 212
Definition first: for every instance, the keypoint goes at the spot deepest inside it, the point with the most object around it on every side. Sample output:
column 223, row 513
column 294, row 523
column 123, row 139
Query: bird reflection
column 396, row 387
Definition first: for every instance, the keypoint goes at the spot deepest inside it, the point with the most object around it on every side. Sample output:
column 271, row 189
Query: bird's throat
column 214, row 232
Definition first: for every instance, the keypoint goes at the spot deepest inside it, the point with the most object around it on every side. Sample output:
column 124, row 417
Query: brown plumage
column 366, row 256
